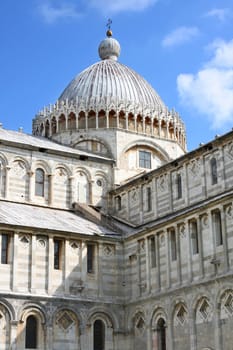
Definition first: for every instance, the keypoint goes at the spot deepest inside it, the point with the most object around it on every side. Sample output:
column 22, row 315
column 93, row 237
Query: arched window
column 173, row 244
column 31, row 333
column 194, row 236
column 161, row 329
column 217, row 227
column 179, row 186
column 214, row 173
column 99, row 335
column 118, row 202
column 39, row 182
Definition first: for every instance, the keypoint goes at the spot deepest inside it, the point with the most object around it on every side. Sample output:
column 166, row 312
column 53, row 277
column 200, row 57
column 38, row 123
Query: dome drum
column 65, row 116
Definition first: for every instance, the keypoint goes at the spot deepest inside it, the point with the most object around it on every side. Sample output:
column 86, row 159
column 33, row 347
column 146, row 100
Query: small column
column 217, row 330
column 193, row 333
column 71, row 188
column 96, row 120
column 107, row 119
column 117, row 120
column 189, row 255
column 177, row 232
column 135, row 122
column 224, row 239
column 83, row 257
column 158, row 281
column 127, row 121
column 77, row 121
column 167, row 240
column 143, row 125
column 50, row 194
column 159, row 121
column 7, row 181
column 13, row 335
column 86, row 121
column 148, row 336
column 148, row 270
column 14, row 279
column 33, row 265
column 200, row 246
column 50, row 127
column 30, row 185
column 66, row 120
column 152, row 126
column 99, row 272
column 167, row 129
column 50, row 265
column 138, row 267
column 65, row 274
column 169, row 335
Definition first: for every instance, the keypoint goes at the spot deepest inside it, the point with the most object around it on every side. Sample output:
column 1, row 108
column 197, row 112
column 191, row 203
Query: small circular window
column 99, row 183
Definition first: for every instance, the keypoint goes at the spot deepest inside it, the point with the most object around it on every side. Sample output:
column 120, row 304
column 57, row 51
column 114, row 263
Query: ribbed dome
column 112, row 83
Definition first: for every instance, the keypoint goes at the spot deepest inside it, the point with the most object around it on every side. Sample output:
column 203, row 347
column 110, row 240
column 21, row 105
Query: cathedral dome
column 110, row 84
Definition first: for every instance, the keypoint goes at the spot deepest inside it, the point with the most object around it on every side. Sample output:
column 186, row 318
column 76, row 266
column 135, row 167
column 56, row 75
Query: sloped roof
column 35, row 217
column 43, row 143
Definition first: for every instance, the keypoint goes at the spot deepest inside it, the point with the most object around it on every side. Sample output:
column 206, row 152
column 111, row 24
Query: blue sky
column 184, row 49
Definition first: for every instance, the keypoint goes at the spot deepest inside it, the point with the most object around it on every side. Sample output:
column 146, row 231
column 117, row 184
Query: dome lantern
column 109, row 48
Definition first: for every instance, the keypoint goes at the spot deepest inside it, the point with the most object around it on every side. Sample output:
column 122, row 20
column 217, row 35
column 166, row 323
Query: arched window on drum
column 39, row 182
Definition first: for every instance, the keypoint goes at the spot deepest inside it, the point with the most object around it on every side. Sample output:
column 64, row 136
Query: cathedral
column 112, row 235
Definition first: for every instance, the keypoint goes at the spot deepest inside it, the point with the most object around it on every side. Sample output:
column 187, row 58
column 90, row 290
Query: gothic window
column 31, row 333
column 214, row 173
column 5, row 249
column 173, row 244
column 57, row 254
column 99, row 335
column 145, row 159
column 217, row 227
column 39, row 182
column 179, row 186
column 90, row 258
column 161, row 329
column 194, row 237
column 148, row 199
column 152, row 252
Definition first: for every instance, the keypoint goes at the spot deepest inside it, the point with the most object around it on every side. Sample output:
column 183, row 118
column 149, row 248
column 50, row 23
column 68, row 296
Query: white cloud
column 114, row 6
column 210, row 90
column 52, row 13
column 220, row 14
column 179, row 36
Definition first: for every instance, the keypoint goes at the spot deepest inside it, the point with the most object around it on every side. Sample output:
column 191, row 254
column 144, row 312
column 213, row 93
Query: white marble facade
column 112, row 236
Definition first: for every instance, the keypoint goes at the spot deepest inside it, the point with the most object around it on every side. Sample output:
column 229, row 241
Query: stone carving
column 108, row 250
column 204, row 310
column 230, row 150
column 24, row 240
column 229, row 212
column 19, row 168
column 65, row 321
column 182, row 230
column 75, row 246
column 162, row 184
column 204, row 221
column 181, row 315
column 140, row 326
column 77, row 286
column 41, row 242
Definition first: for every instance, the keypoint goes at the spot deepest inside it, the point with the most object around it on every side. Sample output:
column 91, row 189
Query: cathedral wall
column 178, row 251
column 42, row 264
column 180, row 184
column 63, row 180
column 123, row 146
